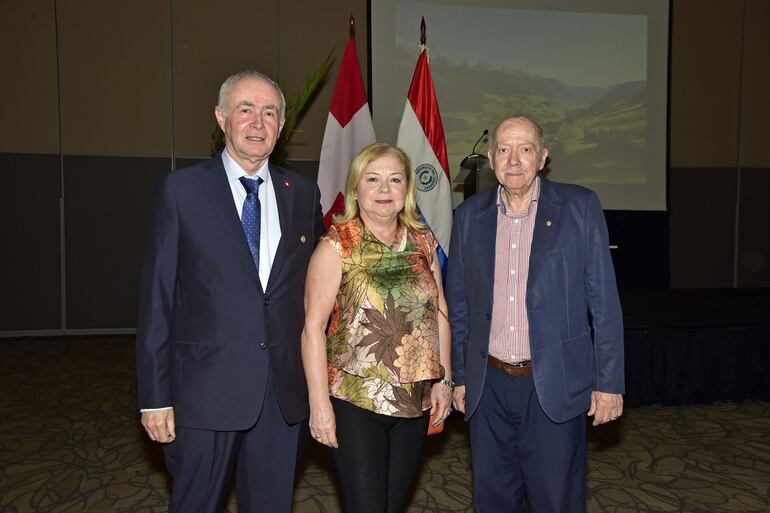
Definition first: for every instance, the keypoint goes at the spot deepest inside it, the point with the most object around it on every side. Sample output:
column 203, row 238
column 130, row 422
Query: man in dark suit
column 537, row 329
column 221, row 312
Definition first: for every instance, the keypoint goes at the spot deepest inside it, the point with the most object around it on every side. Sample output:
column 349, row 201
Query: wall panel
column 115, row 77
column 211, row 41
column 108, row 202
column 29, row 118
column 702, row 227
column 755, row 103
column 30, row 273
column 705, row 66
column 754, row 229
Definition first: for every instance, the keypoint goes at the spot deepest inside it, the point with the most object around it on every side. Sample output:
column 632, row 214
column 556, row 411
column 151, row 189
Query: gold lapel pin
column 548, row 223
column 302, row 239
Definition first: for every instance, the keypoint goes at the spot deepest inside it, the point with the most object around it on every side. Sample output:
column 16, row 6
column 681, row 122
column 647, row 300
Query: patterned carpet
column 70, row 441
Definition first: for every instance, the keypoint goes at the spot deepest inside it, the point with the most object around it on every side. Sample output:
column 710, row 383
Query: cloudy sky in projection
column 580, row 49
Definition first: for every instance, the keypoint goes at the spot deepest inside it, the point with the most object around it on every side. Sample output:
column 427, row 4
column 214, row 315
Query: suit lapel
column 486, row 224
column 220, row 195
column 546, row 223
column 285, row 201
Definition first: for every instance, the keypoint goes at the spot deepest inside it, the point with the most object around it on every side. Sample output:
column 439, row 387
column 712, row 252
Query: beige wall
column 115, row 78
column 29, row 119
column 705, row 67
column 118, row 60
column 720, row 78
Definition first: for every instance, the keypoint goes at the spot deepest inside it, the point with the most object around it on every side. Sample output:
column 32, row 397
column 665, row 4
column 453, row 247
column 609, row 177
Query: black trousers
column 377, row 458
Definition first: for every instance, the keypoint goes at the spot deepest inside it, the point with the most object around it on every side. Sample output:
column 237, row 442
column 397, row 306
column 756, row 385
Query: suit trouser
column 200, row 462
column 518, row 452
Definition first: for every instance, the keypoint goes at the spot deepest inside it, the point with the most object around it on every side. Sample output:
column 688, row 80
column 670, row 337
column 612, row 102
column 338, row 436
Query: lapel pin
column 548, row 223
column 286, row 183
column 302, row 239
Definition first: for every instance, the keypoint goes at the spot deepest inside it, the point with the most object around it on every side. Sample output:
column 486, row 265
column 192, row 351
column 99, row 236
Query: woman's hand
column 323, row 428
column 441, row 402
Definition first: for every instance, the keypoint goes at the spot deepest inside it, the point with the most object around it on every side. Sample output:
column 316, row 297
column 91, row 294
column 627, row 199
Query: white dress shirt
column 270, row 226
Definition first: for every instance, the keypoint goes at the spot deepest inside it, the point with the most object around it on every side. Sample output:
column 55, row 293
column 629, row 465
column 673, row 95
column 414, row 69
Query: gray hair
column 233, row 79
column 538, row 130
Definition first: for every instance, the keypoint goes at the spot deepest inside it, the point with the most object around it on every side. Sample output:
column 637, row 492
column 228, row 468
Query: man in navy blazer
column 220, row 379
column 537, row 330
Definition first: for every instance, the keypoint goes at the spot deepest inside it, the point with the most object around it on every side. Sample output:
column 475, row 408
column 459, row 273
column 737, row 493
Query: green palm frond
column 297, row 106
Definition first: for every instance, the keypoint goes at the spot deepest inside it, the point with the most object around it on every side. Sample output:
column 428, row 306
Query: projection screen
column 592, row 73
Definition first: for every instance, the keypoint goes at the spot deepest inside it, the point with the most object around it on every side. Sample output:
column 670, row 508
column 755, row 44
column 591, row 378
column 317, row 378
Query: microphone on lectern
column 483, row 135
column 471, row 161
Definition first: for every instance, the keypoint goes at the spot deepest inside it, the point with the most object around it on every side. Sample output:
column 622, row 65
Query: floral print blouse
column 382, row 341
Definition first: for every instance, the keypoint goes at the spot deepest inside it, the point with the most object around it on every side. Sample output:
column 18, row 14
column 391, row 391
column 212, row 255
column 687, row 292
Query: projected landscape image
column 585, row 82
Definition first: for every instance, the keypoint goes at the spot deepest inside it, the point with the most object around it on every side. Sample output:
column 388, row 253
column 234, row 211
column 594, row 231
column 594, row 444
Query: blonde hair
column 408, row 216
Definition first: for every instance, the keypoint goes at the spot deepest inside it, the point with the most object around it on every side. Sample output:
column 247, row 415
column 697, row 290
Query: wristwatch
column 448, row 382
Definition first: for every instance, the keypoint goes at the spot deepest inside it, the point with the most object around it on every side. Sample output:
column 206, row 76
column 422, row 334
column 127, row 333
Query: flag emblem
column 427, row 177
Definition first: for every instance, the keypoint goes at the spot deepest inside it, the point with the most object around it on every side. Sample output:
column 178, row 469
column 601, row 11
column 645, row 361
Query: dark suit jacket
column 207, row 333
column 575, row 320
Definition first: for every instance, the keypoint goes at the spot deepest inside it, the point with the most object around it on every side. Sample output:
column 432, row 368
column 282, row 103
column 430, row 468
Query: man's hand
column 459, row 399
column 605, row 407
column 159, row 425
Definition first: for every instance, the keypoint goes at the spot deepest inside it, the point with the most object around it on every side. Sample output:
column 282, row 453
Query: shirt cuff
column 142, row 410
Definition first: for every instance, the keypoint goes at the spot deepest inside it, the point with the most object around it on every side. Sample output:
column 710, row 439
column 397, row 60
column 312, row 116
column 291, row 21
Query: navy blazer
column 575, row 319
column 207, row 333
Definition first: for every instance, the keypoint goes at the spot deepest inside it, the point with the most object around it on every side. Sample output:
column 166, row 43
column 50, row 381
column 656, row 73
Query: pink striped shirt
column 509, row 335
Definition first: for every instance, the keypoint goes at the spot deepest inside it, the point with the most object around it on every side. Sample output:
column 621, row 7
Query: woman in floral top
column 376, row 343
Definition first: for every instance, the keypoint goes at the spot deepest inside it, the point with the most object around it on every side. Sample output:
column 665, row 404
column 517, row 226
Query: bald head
column 516, row 120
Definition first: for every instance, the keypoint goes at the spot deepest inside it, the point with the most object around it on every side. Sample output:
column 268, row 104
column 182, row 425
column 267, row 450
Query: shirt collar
column 235, row 171
column 532, row 201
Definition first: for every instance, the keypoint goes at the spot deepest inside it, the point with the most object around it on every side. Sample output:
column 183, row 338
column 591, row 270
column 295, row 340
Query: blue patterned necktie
column 251, row 215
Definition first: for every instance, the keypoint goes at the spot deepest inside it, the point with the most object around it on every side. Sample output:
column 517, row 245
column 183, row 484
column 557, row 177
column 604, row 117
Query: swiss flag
column 348, row 130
